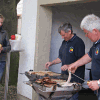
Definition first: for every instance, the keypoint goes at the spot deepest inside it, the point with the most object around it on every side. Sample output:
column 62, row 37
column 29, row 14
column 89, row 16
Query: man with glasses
column 91, row 26
column 72, row 49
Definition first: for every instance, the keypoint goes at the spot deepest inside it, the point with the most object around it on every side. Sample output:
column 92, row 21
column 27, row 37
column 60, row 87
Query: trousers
column 97, row 94
column 2, row 67
column 74, row 97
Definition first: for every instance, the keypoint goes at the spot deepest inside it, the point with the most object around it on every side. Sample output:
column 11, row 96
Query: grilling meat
column 42, row 73
column 45, row 80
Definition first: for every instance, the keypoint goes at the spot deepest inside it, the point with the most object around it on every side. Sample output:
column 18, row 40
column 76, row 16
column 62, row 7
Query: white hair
column 90, row 22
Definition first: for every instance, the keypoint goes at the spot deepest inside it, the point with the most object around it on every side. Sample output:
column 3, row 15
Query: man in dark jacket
column 4, row 46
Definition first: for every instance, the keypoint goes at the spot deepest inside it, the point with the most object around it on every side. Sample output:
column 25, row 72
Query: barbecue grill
column 55, row 90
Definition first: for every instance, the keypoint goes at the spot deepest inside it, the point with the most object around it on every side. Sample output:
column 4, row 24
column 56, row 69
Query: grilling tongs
column 69, row 78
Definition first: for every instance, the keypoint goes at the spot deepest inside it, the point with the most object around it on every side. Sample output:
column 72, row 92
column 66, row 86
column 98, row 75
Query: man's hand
column 72, row 68
column 56, row 61
column 93, row 85
column 48, row 64
column 64, row 67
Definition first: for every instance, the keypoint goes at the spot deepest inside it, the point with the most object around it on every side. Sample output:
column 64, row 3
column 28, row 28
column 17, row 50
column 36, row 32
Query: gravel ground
column 11, row 95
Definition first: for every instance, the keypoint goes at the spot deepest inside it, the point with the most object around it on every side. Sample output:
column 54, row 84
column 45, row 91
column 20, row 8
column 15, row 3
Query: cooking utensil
column 72, row 74
column 77, row 76
column 80, row 78
column 85, row 84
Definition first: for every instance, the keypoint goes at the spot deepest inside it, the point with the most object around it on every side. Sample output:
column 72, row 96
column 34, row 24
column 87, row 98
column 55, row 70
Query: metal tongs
column 69, row 78
column 80, row 78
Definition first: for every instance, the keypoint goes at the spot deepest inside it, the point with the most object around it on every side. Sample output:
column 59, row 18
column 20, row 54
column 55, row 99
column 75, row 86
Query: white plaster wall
column 73, row 14
column 19, row 25
column 19, row 7
column 28, row 31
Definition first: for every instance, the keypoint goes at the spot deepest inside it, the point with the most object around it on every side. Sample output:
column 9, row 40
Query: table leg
column 7, row 76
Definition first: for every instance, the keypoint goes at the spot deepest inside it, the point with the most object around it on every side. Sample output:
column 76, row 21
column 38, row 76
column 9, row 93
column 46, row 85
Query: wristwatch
column 98, row 83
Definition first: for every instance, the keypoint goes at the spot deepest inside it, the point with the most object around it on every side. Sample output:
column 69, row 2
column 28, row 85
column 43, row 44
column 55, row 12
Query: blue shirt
column 94, row 53
column 69, row 52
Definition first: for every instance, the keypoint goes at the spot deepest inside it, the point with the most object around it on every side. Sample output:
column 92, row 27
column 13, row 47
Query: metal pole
column 7, row 76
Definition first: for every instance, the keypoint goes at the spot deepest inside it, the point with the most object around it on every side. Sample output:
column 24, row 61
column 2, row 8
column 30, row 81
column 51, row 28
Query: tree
column 8, row 9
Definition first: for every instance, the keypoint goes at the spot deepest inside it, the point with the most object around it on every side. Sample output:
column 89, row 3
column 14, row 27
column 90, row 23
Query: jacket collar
column 97, row 42
column 2, row 31
column 73, row 37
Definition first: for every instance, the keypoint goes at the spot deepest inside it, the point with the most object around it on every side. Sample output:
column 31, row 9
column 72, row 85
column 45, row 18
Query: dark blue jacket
column 4, row 41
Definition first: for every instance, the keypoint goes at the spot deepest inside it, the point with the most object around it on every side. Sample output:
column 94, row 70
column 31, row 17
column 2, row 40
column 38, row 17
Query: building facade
column 40, row 37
